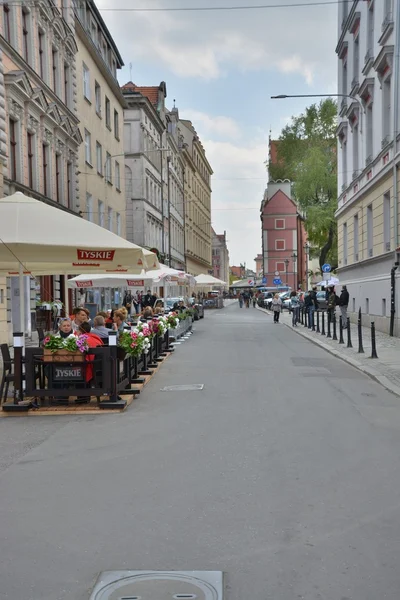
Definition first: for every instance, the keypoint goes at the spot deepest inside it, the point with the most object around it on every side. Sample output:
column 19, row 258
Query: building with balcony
column 220, row 256
column 198, row 173
column 368, row 127
column 100, row 106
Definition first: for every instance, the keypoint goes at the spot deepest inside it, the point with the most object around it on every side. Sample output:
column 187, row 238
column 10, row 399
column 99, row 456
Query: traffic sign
column 326, row 268
column 264, row 281
column 277, row 273
column 277, row 282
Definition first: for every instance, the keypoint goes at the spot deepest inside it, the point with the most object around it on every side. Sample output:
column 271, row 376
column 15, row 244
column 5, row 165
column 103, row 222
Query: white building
column 368, row 212
column 175, row 189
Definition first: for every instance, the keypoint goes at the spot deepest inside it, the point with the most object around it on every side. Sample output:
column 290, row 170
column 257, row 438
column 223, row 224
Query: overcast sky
column 222, row 68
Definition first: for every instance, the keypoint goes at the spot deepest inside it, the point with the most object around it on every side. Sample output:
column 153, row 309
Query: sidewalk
column 385, row 369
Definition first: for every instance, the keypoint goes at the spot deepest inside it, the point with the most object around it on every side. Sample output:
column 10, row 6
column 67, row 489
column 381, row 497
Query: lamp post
column 286, row 261
column 294, row 259
column 306, row 248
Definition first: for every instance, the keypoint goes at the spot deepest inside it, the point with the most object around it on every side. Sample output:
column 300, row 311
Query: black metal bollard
column 360, row 340
column 323, row 323
column 313, row 320
column 318, row 329
column 373, row 341
column 334, row 337
column 349, row 344
column 341, row 340
column 328, row 334
column 306, row 315
column 302, row 315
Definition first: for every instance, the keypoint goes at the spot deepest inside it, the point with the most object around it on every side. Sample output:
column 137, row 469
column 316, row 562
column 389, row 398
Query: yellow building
column 198, row 239
column 100, row 107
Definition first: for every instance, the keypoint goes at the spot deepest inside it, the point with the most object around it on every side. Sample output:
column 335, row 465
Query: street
column 282, row 472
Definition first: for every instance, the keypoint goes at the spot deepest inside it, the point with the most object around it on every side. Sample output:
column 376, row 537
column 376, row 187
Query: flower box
column 62, row 356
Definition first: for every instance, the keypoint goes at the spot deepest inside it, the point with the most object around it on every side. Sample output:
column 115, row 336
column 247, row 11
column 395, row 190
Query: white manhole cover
column 159, row 585
column 191, row 387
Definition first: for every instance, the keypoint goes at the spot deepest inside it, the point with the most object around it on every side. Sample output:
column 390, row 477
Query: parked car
column 264, row 299
column 285, row 298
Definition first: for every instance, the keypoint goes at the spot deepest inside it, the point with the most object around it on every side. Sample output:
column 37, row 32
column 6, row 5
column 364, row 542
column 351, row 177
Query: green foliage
column 307, row 156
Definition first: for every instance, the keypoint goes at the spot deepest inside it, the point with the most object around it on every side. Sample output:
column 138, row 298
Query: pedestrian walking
column 254, row 301
column 241, row 300
column 276, row 307
column 343, row 304
column 332, row 299
column 313, row 307
column 295, row 308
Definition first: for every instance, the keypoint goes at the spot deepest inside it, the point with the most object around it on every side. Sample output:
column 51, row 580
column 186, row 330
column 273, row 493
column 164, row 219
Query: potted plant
column 69, row 349
column 135, row 342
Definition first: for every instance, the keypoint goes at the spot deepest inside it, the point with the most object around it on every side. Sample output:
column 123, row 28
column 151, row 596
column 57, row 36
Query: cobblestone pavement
column 385, row 369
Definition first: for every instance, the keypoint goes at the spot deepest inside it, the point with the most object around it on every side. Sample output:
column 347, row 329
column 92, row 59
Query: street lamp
column 306, row 249
column 294, row 258
column 286, row 261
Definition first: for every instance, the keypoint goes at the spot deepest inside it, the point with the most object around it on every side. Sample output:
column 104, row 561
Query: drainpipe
column 395, row 190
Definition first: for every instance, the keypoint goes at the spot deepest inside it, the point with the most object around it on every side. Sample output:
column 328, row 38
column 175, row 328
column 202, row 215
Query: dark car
column 264, row 299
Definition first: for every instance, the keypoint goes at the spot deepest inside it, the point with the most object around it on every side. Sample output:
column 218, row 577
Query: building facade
column 100, row 106
column 283, row 237
column 175, row 192
column 39, row 125
column 197, row 194
column 259, row 265
column 220, row 256
column 368, row 180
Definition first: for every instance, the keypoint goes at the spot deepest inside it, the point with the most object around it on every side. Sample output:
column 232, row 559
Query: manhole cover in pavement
column 159, row 585
column 191, row 387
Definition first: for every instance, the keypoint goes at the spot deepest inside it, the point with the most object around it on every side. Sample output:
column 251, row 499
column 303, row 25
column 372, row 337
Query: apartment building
column 39, row 126
column 197, row 194
column 175, row 191
column 220, row 256
column 368, row 180
column 100, row 106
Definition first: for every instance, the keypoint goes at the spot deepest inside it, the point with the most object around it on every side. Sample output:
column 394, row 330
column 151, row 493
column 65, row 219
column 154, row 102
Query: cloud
column 212, row 125
column 206, row 45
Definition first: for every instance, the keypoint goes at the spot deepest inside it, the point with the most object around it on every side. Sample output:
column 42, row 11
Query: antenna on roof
column 174, row 103
column 130, row 71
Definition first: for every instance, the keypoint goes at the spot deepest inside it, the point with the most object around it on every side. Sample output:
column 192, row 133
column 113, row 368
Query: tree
column 306, row 154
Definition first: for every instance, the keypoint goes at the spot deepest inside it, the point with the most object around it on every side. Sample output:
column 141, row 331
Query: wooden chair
column 41, row 335
column 8, row 374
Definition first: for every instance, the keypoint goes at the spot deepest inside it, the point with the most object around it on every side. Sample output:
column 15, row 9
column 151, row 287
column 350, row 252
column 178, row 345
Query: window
column 108, row 168
column 89, row 207
column 116, row 124
column 369, row 136
column 370, row 231
column 101, row 213
column 279, row 223
column 367, row 306
column 13, row 149
column 55, row 68
column 344, row 163
column 46, row 169
column 279, row 244
column 386, row 222
column 118, row 217
column 370, row 34
column 70, row 183
column 345, row 243
column 117, row 176
column 42, row 53
column 280, row 266
column 97, row 92
column 6, row 22
column 356, row 238
column 99, row 158
column 110, row 219
column 86, row 82
column 67, row 85
column 31, row 157
column 26, row 50
column 355, row 151
column 108, row 114
column 58, row 177
column 383, row 307
column 88, row 147
column 386, row 107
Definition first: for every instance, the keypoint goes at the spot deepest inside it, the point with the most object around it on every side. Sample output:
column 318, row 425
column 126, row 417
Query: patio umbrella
column 128, row 280
column 38, row 239
column 202, row 280
column 329, row 282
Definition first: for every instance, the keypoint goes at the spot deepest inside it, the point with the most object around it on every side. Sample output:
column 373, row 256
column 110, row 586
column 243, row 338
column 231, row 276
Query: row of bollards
column 308, row 320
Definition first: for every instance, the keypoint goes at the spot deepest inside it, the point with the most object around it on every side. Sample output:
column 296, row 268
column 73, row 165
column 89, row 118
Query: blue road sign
column 264, row 280
column 277, row 281
column 326, row 268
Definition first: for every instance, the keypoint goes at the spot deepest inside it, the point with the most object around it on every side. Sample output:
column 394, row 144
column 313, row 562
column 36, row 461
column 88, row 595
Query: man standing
column 344, row 303
column 147, row 299
column 313, row 307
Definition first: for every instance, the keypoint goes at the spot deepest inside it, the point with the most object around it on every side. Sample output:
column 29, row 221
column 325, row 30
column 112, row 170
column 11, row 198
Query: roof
column 150, row 92
column 106, row 32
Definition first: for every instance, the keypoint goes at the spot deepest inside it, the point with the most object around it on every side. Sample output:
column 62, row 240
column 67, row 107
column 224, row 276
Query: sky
column 221, row 67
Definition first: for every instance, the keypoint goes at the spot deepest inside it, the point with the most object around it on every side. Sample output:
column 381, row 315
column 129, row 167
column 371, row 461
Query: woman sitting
column 64, row 328
column 119, row 321
column 93, row 341
column 147, row 314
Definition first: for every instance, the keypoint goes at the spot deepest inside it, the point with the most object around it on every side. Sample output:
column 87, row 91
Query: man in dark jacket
column 313, row 307
column 147, row 300
column 344, row 303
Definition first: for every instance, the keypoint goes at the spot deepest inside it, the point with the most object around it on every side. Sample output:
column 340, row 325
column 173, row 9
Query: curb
column 371, row 372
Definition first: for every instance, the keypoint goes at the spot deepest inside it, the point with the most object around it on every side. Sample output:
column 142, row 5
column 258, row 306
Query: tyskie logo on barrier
column 107, row 255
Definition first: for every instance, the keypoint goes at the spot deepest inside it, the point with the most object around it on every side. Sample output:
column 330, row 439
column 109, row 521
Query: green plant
column 71, row 343
column 134, row 342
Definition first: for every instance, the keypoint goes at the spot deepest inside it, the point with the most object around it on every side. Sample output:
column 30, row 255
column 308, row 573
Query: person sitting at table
column 93, row 341
column 119, row 322
column 64, row 328
column 99, row 327
column 80, row 315
column 158, row 310
column 147, row 313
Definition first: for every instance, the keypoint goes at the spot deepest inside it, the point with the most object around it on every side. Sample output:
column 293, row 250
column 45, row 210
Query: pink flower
column 133, row 345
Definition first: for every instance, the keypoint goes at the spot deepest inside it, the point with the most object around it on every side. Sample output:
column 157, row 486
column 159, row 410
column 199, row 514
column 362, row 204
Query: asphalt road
column 283, row 473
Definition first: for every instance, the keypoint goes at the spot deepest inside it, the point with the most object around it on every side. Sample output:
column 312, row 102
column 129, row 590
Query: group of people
column 136, row 302
column 246, row 298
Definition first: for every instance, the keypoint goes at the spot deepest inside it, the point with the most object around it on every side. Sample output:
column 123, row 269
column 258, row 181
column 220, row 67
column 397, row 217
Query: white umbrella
column 202, row 280
column 39, row 239
column 128, row 280
column 329, row 282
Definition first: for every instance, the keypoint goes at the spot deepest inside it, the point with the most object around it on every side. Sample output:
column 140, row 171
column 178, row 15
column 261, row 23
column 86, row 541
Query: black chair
column 41, row 335
column 8, row 375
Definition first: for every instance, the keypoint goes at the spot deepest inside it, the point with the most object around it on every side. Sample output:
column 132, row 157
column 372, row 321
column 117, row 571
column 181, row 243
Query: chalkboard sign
column 68, row 373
